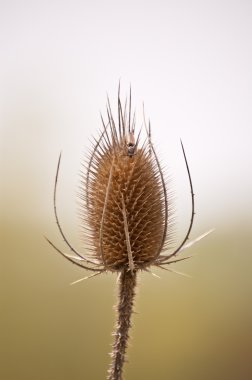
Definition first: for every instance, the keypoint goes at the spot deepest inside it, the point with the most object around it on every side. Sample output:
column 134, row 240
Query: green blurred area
column 184, row 328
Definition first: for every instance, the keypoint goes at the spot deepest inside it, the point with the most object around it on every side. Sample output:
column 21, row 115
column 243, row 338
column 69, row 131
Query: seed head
column 126, row 215
column 126, row 209
column 126, row 206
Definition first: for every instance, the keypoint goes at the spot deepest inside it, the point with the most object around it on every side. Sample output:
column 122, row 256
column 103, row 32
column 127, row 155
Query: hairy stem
column 127, row 285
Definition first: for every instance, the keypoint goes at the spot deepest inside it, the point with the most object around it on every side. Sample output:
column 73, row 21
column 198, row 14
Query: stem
column 126, row 295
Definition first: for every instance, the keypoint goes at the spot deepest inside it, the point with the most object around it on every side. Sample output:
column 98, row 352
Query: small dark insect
column 131, row 144
column 126, row 215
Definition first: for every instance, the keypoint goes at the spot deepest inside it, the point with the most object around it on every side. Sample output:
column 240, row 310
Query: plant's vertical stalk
column 127, row 286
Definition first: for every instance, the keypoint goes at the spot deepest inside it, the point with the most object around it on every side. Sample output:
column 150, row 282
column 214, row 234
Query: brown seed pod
column 126, row 204
column 126, row 210
column 126, row 215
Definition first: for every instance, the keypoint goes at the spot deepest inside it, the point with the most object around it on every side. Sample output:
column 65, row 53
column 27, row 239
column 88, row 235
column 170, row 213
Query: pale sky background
column 188, row 61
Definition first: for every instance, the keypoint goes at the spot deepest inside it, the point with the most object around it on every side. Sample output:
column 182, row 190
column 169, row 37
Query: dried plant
column 126, row 214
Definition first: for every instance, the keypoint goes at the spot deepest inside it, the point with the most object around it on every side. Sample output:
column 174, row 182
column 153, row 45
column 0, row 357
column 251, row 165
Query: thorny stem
column 127, row 285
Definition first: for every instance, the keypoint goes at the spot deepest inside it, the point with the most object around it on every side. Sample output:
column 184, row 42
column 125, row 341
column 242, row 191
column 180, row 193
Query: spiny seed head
column 125, row 209
column 126, row 202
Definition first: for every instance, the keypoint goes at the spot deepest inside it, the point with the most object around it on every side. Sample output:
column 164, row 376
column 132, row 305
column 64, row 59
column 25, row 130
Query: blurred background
column 190, row 63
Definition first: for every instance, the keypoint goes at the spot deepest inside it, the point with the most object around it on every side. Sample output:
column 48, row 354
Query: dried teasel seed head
column 125, row 209
column 126, row 202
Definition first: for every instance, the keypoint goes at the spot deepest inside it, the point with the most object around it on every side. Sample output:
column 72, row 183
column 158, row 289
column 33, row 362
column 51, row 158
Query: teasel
column 126, row 215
